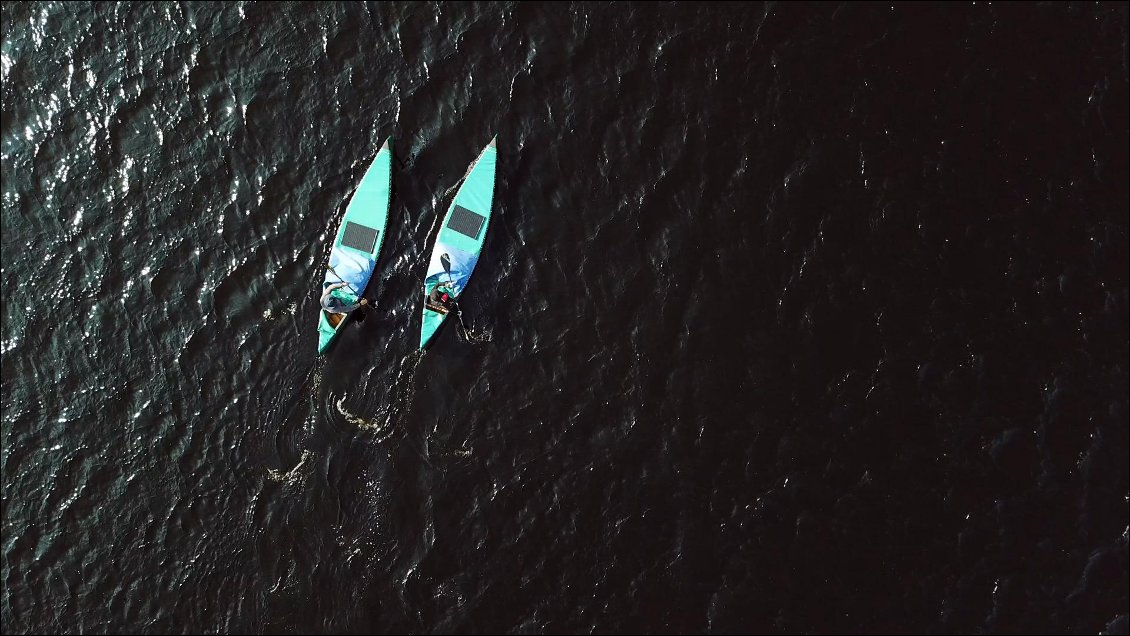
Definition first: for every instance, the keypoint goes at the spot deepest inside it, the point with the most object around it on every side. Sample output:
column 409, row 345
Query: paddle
column 331, row 268
column 445, row 260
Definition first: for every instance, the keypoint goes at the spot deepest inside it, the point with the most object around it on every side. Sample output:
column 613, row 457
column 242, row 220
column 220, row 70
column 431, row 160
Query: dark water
column 800, row 318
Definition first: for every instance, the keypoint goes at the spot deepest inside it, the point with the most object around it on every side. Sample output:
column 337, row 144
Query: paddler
column 339, row 298
column 441, row 297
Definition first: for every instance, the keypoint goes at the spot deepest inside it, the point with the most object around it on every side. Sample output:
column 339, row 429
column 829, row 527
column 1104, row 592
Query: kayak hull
column 460, row 240
column 358, row 241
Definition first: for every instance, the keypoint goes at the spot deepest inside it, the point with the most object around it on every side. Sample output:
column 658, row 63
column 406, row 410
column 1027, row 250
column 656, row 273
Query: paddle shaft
column 331, row 268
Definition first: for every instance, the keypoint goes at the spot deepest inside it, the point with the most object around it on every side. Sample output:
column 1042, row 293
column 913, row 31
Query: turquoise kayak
column 458, row 244
column 353, row 256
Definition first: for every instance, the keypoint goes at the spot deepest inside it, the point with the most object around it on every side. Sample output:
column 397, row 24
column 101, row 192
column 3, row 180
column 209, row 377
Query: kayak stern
column 433, row 320
column 326, row 332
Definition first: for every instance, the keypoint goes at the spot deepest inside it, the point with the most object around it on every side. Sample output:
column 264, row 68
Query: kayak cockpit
column 333, row 319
